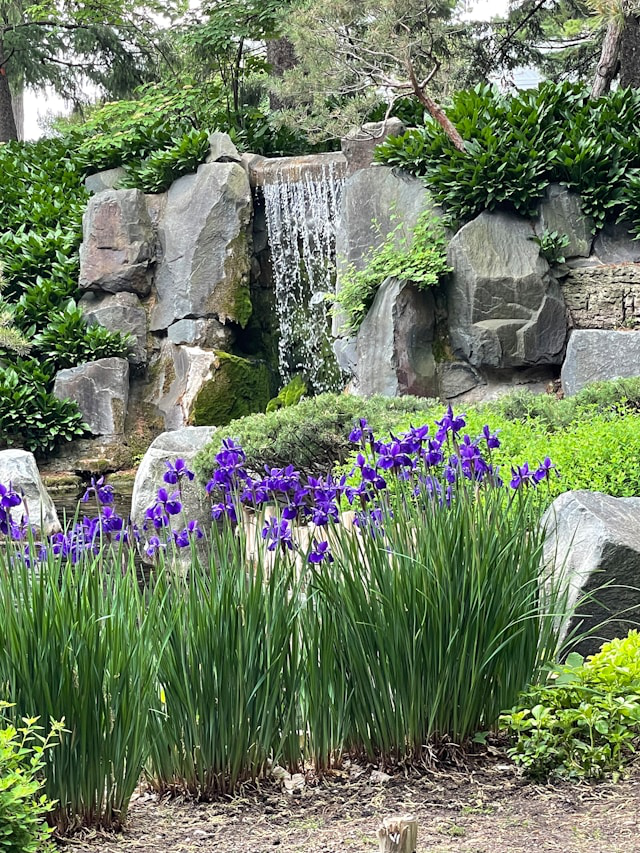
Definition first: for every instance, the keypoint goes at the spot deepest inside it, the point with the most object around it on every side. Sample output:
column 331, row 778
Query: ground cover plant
column 516, row 145
column 436, row 535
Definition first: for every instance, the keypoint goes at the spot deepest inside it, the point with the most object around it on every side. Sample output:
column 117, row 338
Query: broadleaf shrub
column 516, row 145
column 584, row 721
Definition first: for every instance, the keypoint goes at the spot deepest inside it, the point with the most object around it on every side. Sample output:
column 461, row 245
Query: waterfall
column 301, row 218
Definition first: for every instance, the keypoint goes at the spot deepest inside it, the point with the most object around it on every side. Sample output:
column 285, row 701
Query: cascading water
column 301, row 216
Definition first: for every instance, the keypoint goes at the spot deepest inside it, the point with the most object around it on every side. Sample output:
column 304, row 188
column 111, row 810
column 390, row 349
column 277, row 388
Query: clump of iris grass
column 293, row 633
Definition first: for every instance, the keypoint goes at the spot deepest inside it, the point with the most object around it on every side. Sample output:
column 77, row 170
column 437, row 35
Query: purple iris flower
column 490, row 437
column 320, row 552
column 449, row 423
column 544, row 470
column 103, row 491
column 176, row 471
column 521, row 476
column 277, row 533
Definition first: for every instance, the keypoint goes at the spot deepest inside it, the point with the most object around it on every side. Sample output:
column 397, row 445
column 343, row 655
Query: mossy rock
column 237, row 388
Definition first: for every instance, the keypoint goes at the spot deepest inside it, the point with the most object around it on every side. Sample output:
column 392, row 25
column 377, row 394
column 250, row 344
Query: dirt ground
column 485, row 808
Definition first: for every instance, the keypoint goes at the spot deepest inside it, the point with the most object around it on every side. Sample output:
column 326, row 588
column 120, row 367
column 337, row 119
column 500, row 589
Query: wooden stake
column 398, row 834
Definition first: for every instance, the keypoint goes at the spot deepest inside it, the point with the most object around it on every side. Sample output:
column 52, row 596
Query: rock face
column 118, row 245
column 185, row 444
column 505, row 308
column 394, row 354
column 603, row 297
column 19, row 468
column 119, row 312
column 222, row 149
column 201, row 333
column 106, row 180
column 101, row 390
column 203, row 234
column 359, row 145
column 594, row 540
column 615, row 245
column 560, row 211
column 594, row 355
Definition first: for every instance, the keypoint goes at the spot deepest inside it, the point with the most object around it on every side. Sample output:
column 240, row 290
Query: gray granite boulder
column 222, row 149
column 560, row 211
column 18, row 468
column 105, row 180
column 456, row 378
column 394, row 343
column 593, row 545
column 119, row 312
column 505, row 308
column 101, row 390
column 594, row 355
column 615, row 245
column 210, row 334
column 204, row 242
column 359, row 145
column 185, row 444
column 118, row 243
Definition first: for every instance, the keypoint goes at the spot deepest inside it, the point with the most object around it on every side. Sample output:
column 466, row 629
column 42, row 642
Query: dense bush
column 584, row 722
column 515, row 145
column 23, row 809
column 312, row 436
column 419, row 257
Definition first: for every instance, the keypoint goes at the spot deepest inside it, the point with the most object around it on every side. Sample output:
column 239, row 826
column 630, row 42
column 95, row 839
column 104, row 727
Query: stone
column 594, row 355
column 204, row 238
column 593, row 545
column 359, row 145
column 456, row 378
column 267, row 170
column 560, row 212
column 394, row 343
column 118, row 244
column 603, row 297
column 19, row 468
column 195, row 386
column 211, row 334
column 106, row 180
column 505, row 308
column 184, row 443
column 101, row 390
column 222, row 149
column 119, row 312
column 615, row 245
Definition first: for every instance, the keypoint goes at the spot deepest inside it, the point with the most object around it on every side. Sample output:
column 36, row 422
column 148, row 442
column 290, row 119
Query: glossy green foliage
column 516, row 145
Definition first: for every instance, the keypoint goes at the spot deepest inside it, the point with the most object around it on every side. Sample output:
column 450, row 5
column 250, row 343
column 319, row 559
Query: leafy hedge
column 516, row 145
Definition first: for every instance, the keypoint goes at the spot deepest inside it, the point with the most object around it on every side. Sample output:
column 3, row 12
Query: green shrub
column 23, row 810
column 419, row 257
column 30, row 416
column 552, row 246
column 313, row 435
column 68, row 341
column 584, row 721
column 516, row 145
column 161, row 168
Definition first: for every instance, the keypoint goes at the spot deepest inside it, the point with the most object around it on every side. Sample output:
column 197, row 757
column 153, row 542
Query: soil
column 484, row 808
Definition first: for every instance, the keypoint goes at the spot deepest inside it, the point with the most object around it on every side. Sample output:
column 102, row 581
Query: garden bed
column 485, row 808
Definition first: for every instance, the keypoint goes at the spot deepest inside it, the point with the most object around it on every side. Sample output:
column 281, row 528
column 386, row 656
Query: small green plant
column 156, row 172
column 23, row 808
column 290, row 395
column 584, row 721
column 552, row 246
column 419, row 257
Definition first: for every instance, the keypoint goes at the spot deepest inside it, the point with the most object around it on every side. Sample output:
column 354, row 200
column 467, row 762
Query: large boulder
column 359, row 145
column 185, row 444
column 204, row 238
column 18, row 468
column 615, row 244
column 119, row 312
column 195, row 386
column 101, row 390
column 593, row 544
column 560, row 212
column 118, row 244
column 594, row 355
column 603, row 297
column 505, row 308
column 394, row 343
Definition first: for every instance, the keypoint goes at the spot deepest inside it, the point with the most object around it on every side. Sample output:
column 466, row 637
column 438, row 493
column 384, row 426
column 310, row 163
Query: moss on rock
column 237, row 388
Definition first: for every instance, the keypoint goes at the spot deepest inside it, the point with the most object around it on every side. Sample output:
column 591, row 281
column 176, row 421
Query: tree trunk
column 281, row 56
column 8, row 129
column 608, row 63
column 398, row 834
column 630, row 52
